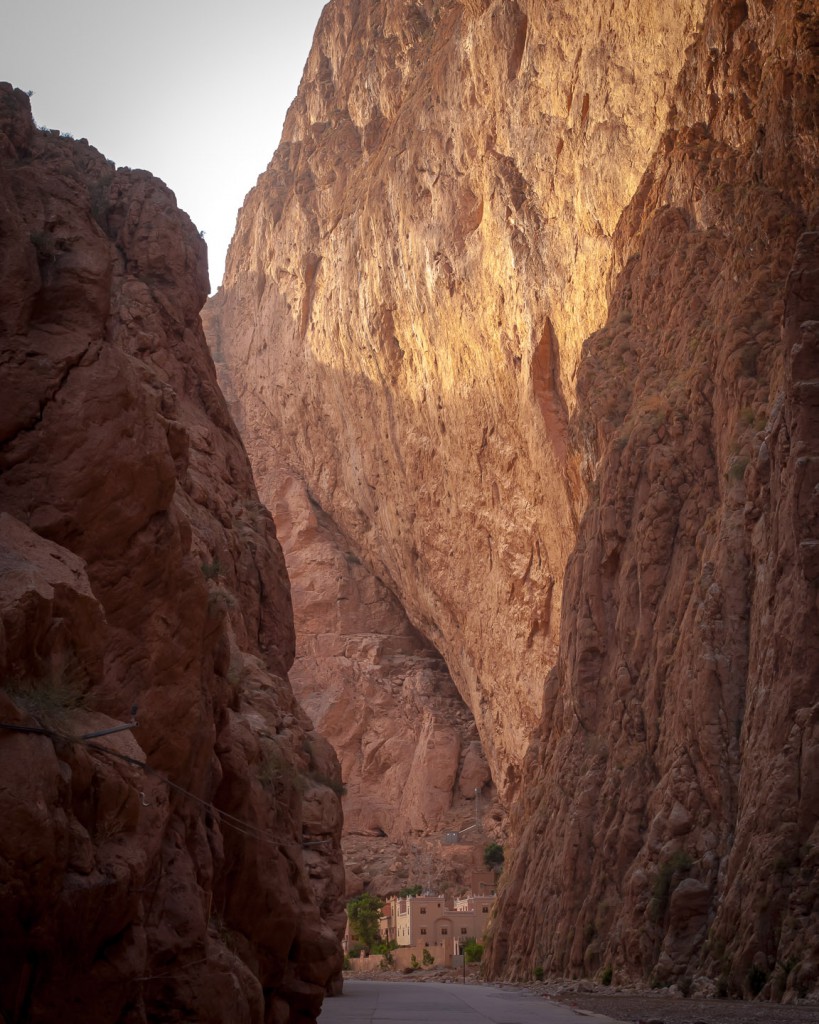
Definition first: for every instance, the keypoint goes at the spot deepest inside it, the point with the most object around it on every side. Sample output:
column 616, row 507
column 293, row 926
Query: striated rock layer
column 530, row 279
column 189, row 867
column 675, row 824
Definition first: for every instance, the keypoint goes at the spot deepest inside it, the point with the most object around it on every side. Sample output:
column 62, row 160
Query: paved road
column 406, row 1002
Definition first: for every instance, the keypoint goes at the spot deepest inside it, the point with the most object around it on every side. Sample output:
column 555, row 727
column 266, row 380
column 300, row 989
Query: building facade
column 435, row 923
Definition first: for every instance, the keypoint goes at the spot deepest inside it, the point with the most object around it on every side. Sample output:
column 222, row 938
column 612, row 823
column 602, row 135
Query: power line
column 245, row 828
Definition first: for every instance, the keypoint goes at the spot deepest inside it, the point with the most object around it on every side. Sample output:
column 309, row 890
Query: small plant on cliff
column 427, row 959
column 229, row 938
column 108, row 829
column 410, row 890
column 99, row 200
column 607, row 975
column 538, row 973
column 756, row 979
column 45, row 244
column 493, row 856
column 220, row 598
column 49, row 698
column 737, row 468
column 212, row 570
column 278, row 775
column 677, row 863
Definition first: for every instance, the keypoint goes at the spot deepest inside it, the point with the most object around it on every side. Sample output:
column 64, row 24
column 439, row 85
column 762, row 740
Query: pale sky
column 194, row 91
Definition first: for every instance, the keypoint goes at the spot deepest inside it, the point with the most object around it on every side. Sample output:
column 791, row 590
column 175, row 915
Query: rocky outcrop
column 527, row 281
column 170, row 840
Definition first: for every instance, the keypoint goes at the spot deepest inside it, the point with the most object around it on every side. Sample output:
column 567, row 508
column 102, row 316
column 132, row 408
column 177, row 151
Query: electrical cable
column 244, row 828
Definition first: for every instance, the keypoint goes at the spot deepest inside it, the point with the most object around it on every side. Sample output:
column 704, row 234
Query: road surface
column 434, row 1002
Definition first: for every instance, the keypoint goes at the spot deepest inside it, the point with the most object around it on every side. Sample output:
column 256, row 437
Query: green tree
column 493, row 856
column 364, row 913
column 473, row 951
column 410, row 890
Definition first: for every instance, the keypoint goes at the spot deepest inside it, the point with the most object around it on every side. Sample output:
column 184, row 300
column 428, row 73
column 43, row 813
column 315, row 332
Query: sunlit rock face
column 525, row 301
column 189, row 868
column 407, row 292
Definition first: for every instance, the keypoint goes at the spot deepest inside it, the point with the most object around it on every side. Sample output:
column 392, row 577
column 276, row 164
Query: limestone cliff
column 514, row 289
column 189, row 867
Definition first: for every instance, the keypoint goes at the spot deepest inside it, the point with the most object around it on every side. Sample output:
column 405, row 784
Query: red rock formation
column 464, row 195
column 674, row 828
column 411, row 760
column 390, row 318
column 190, row 867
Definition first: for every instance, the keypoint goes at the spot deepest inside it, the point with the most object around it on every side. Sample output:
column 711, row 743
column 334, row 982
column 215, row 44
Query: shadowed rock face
column 673, row 828
column 411, row 760
column 527, row 290
column 190, row 867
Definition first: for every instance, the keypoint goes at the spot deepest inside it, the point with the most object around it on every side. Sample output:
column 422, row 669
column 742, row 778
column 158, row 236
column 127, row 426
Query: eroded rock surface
column 189, row 868
column 674, row 828
column 526, row 281
column 412, row 764
column 407, row 292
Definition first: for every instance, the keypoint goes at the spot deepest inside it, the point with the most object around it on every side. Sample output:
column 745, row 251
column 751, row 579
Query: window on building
column 444, row 931
column 463, row 931
column 423, row 910
column 485, row 910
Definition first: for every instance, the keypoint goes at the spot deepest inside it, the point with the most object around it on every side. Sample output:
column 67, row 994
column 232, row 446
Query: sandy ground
column 637, row 1007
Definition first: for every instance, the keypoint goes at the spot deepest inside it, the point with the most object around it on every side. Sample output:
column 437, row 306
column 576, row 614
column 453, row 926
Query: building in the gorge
column 434, row 922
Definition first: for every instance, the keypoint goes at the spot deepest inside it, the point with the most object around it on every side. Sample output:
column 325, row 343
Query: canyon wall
column 674, row 826
column 410, row 756
column 407, row 292
column 528, row 290
column 187, row 867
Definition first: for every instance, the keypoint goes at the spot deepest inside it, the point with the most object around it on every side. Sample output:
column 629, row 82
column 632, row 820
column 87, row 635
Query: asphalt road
column 399, row 1002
